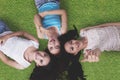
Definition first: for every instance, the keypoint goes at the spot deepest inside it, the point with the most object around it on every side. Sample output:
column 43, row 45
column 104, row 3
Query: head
column 74, row 46
column 54, row 46
column 69, row 40
column 41, row 58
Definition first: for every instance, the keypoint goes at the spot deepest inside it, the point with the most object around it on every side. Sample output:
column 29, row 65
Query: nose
column 52, row 42
column 41, row 58
column 75, row 44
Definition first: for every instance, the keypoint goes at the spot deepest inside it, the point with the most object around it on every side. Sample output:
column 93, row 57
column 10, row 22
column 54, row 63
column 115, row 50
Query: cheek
column 37, row 59
column 66, row 46
column 38, row 63
column 57, row 42
column 76, row 51
column 48, row 47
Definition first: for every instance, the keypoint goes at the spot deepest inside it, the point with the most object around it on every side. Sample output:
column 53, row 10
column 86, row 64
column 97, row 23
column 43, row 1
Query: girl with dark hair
column 19, row 49
column 61, row 62
column 94, row 40
column 50, row 22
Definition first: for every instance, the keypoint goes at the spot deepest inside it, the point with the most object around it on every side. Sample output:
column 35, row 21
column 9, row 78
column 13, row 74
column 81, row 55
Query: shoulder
column 5, row 33
column 82, row 33
column 35, row 44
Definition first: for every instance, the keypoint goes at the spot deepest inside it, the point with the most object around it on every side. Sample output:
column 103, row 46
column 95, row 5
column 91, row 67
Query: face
column 73, row 46
column 41, row 58
column 54, row 46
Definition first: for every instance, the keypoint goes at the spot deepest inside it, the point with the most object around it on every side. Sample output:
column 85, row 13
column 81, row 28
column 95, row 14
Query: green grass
column 18, row 14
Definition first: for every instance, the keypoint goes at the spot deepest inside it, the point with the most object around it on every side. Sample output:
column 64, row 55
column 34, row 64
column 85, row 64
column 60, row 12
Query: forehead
column 67, row 44
column 41, row 52
column 67, row 47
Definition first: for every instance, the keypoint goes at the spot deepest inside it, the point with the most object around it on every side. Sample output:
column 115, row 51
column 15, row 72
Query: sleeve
column 35, row 44
column 93, row 39
column 83, row 33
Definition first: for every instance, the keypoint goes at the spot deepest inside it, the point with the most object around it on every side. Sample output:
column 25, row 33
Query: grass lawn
column 18, row 14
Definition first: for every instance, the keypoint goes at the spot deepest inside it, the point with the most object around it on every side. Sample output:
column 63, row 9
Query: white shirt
column 107, row 38
column 15, row 47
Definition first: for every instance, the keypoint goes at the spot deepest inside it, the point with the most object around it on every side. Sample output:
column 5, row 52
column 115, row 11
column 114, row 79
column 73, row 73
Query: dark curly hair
column 61, row 62
column 71, row 34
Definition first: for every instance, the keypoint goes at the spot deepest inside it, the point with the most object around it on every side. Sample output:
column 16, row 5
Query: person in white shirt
column 94, row 40
column 19, row 52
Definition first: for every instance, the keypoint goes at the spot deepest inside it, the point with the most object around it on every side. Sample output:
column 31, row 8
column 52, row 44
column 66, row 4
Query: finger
column 89, row 58
column 84, row 60
column 87, row 52
column 97, row 59
column 93, row 58
column 85, row 55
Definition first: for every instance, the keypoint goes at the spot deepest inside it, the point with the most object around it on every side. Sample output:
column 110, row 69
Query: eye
column 45, row 55
column 51, row 48
column 72, row 48
column 57, row 47
column 41, row 61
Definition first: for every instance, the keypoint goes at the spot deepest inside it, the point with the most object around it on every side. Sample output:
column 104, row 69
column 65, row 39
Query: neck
column 52, row 32
column 85, row 42
column 29, row 53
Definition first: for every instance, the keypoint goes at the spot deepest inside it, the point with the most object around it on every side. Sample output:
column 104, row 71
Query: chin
column 75, row 53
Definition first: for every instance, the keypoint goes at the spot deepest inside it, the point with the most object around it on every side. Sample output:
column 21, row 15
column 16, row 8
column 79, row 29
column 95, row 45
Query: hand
column 43, row 14
column 90, row 56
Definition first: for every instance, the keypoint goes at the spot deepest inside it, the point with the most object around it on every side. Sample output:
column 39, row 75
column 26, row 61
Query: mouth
column 52, row 40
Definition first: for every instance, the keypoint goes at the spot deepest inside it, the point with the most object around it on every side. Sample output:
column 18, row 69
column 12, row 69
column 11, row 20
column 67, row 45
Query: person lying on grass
column 58, row 65
column 50, row 22
column 94, row 40
column 19, row 52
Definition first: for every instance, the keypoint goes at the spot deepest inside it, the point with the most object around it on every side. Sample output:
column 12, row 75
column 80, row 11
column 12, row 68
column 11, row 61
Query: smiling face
column 54, row 46
column 41, row 58
column 73, row 46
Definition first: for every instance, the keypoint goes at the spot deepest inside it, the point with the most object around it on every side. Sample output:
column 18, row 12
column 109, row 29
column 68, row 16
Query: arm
column 91, row 55
column 117, row 24
column 10, row 62
column 63, row 15
column 39, row 28
column 64, row 23
column 19, row 33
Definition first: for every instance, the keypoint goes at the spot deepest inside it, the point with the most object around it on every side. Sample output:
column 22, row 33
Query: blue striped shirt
column 50, row 20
